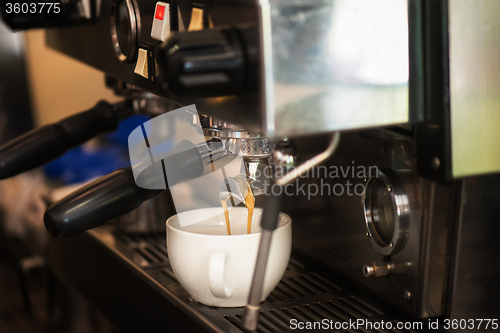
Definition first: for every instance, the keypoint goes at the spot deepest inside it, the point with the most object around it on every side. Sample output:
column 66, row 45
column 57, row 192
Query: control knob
column 206, row 63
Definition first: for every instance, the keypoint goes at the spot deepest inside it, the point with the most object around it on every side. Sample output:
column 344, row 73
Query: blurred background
column 40, row 86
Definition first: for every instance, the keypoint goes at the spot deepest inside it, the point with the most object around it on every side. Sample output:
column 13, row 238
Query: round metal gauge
column 124, row 29
column 387, row 213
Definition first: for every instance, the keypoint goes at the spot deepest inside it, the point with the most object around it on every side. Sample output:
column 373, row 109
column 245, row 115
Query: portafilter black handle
column 116, row 194
column 46, row 143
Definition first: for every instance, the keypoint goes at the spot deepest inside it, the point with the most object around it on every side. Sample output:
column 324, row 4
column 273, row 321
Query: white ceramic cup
column 217, row 269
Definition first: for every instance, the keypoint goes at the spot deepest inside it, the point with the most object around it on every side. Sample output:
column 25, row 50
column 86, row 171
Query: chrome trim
column 133, row 31
column 401, row 205
column 311, row 163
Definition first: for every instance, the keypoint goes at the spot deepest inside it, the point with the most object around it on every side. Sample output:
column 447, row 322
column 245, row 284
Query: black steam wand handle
column 116, row 194
column 46, row 143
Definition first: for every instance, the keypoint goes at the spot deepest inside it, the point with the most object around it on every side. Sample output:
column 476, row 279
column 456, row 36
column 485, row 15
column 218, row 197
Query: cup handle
column 216, row 274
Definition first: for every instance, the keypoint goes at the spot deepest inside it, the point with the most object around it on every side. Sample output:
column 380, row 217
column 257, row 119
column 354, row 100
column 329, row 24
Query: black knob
column 46, row 143
column 206, row 63
column 118, row 193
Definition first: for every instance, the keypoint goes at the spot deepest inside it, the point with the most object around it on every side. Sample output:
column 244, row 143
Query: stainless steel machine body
column 339, row 64
column 348, row 237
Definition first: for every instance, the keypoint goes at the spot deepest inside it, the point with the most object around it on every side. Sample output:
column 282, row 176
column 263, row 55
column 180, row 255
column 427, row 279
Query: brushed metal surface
column 330, row 229
column 343, row 64
column 340, row 64
column 474, row 293
column 474, row 30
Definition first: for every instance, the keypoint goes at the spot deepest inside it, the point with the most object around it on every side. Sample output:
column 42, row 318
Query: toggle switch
column 161, row 22
column 198, row 17
column 141, row 68
column 196, row 22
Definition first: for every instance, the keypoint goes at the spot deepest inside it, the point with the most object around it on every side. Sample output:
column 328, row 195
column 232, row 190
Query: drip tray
column 129, row 279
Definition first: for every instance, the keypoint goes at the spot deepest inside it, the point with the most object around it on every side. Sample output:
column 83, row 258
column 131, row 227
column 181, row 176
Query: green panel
column 474, row 30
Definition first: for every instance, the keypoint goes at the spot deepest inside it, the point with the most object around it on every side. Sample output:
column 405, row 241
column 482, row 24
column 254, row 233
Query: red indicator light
column 160, row 12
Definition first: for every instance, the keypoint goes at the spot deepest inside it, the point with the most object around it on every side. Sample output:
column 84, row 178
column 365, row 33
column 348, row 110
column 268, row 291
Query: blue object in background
column 120, row 136
column 79, row 165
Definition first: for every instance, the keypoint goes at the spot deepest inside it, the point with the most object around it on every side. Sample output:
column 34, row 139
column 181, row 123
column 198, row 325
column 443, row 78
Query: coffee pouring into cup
column 215, row 268
column 213, row 251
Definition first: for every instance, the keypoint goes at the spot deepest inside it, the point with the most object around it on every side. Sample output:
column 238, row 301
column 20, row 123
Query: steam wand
column 269, row 223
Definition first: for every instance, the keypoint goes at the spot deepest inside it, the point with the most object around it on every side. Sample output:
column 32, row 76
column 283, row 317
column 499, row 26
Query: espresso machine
column 395, row 97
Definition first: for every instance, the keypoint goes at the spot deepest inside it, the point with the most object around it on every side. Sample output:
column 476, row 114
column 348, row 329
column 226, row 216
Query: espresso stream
column 249, row 203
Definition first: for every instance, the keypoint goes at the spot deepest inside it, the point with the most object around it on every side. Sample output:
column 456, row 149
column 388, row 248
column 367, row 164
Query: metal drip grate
column 278, row 320
column 301, row 286
column 302, row 295
column 149, row 250
column 305, row 298
column 336, row 311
